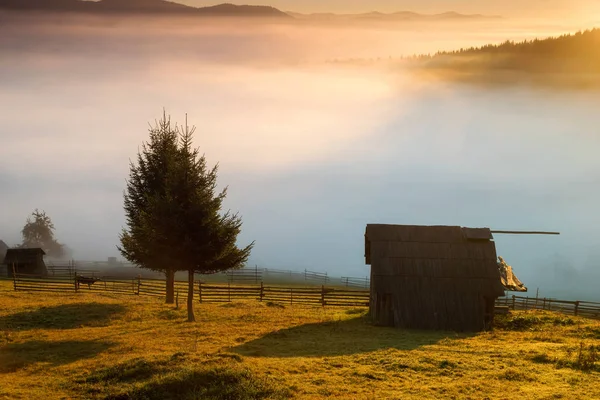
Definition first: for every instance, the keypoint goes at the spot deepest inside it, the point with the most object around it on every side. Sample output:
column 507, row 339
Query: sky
column 509, row 8
column 311, row 152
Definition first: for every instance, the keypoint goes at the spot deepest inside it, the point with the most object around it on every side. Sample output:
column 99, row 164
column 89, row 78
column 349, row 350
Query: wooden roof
column 424, row 233
column 449, row 253
column 23, row 255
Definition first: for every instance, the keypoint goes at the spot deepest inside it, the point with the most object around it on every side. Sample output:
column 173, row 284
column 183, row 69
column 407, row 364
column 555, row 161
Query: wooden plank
column 45, row 290
column 526, row 232
column 21, row 285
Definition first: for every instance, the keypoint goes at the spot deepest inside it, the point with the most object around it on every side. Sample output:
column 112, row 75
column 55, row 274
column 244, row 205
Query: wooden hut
column 3, row 248
column 432, row 277
column 25, row 261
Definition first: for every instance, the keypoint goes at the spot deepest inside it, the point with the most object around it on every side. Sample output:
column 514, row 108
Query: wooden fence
column 310, row 295
column 363, row 283
column 316, row 276
column 586, row 309
column 245, row 275
column 205, row 293
column 35, row 283
column 292, row 295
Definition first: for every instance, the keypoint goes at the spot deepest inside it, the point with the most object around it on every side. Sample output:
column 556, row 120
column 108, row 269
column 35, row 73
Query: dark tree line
column 571, row 53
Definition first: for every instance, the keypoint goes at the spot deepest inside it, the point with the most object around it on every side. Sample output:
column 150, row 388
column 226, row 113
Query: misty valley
column 380, row 174
column 343, row 144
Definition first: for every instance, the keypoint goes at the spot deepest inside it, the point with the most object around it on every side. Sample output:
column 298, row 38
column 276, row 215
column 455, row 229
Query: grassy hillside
column 568, row 59
column 105, row 347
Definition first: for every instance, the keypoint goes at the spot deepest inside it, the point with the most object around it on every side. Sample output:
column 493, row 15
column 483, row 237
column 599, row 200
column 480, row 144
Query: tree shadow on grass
column 64, row 316
column 337, row 338
column 16, row 356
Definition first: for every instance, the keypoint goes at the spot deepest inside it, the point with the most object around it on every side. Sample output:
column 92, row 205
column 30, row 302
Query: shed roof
column 22, row 255
column 425, row 234
column 451, row 254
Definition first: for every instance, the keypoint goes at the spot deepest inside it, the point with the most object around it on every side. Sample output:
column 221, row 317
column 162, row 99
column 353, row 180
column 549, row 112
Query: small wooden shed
column 25, row 261
column 3, row 248
column 432, row 277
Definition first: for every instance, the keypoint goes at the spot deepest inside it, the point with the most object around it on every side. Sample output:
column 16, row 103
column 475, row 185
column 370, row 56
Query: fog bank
column 311, row 152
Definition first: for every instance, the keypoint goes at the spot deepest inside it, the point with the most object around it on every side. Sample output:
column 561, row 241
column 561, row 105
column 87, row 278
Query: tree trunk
column 190, row 305
column 170, row 274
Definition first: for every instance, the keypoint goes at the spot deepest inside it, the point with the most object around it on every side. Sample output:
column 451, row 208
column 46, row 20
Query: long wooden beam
column 526, row 232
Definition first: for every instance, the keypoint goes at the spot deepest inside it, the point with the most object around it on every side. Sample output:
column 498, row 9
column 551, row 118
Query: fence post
column 139, row 284
column 291, row 296
column 323, row 295
column 200, row 292
column 577, row 307
column 75, row 282
column 229, row 291
column 526, row 301
column 262, row 291
column 14, row 276
column 513, row 298
column 544, row 304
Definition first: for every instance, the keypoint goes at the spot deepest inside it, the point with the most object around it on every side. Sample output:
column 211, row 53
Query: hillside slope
column 396, row 16
column 140, row 7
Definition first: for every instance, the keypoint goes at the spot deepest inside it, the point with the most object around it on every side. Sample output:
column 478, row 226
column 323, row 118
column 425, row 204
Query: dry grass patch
column 94, row 346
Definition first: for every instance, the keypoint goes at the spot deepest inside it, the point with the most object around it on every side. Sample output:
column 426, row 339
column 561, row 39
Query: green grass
column 95, row 346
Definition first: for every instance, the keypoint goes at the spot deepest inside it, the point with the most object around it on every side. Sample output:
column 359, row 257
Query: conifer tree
column 140, row 243
column 180, row 216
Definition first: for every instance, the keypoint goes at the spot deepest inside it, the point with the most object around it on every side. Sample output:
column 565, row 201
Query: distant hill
column 397, row 16
column 168, row 7
column 573, row 58
column 141, row 7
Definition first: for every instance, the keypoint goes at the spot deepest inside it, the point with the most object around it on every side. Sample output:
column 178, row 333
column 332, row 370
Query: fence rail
column 203, row 292
column 364, row 283
column 245, row 275
column 586, row 309
column 316, row 276
column 255, row 274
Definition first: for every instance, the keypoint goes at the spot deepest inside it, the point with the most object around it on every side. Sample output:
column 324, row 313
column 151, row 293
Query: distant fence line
column 246, row 275
column 586, row 309
column 356, row 282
